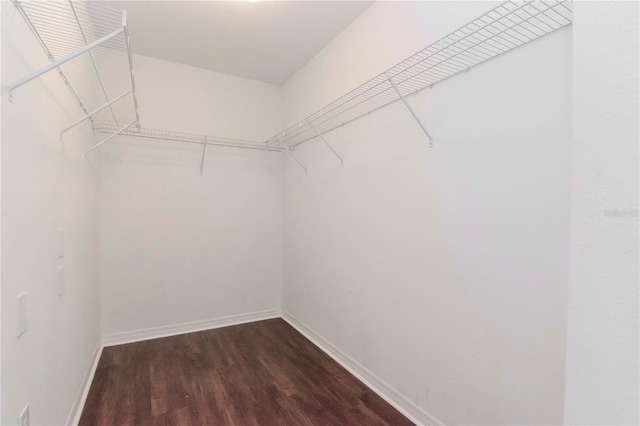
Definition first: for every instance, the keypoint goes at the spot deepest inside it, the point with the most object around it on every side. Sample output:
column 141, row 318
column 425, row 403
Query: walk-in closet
column 319, row 212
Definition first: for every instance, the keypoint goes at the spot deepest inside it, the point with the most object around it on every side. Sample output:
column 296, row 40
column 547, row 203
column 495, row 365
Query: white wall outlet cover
column 23, row 418
column 60, row 280
column 21, row 314
column 60, row 243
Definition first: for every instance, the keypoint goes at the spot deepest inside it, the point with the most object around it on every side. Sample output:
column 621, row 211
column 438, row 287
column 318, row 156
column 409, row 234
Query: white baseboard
column 186, row 327
column 376, row 384
column 81, row 397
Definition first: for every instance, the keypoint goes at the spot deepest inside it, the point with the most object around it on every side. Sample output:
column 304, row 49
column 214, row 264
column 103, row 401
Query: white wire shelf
column 88, row 44
column 166, row 135
column 506, row 27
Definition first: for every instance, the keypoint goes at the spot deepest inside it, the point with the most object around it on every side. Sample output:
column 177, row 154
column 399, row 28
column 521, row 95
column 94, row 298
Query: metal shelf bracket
column 325, row 142
column 204, row 150
column 133, row 81
column 413, row 113
column 288, row 151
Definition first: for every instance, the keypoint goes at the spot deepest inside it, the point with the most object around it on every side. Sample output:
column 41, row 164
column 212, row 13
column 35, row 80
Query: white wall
column 46, row 185
column 177, row 247
column 442, row 271
column 602, row 347
column 178, row 97
column 0, row 227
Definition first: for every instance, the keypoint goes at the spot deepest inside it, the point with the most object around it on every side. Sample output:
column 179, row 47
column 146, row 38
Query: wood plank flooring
column 261, row 373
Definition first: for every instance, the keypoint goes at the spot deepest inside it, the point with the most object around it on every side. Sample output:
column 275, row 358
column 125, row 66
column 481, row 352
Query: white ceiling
column 267, row 41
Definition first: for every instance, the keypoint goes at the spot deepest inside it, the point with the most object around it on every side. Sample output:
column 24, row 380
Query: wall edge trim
column 78, row 404
column 150, row 333
column 376, row 384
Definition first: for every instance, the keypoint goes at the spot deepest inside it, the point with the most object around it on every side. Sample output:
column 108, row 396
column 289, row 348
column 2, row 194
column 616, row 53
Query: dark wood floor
column 262, row 373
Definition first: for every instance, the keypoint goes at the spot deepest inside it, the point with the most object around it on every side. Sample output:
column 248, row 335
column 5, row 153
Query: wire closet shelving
column 166, row 135
column 88, row 38
column 192, row 138
column 88, row 44
column 506, row 27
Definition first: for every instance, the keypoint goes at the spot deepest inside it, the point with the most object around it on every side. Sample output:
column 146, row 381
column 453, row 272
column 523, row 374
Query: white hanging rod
column 59, row 62
column 502, row 29
column 49, row 55
column 166, row 135
column 88, row 43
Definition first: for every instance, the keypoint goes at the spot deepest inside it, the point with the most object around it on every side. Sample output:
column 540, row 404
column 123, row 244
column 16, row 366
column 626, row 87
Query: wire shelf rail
column 88, row 44
column 166, row 135
column 506, row 27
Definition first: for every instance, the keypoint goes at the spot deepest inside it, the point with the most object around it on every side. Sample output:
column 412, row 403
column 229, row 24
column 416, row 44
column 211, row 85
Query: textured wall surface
column 602, row 347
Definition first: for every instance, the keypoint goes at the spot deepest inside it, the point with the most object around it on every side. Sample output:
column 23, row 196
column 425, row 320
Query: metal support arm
column 293, row 156
column 133, row 81
column 325, row 142
column 108, row 104
column 415, row 116
column 204, row 149
column 59, row 62
column 93, row 61
column 108, row 138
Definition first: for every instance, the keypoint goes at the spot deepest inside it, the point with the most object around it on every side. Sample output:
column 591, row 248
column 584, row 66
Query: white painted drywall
column 602, row 342
column 0, row 227
column 442, row 271
column 177, row 247
column 179, row 97
column 46, row 185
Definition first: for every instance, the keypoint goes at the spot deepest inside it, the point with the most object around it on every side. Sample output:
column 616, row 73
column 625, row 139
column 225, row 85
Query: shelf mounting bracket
column 413, row 113
column 293, row 156
column 108, row 104
column 325, row 142
column 108, row 138
column 204, row 150
column 125, row 28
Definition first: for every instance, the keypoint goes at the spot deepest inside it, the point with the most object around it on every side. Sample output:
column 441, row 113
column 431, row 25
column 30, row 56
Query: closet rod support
column 125, row 27
column 413, row 113
column 108, row 104
column 204, row 149
column 293, row 156
column 108, row 138
column 325, row 142
column 93, row 61
column 59, row 62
